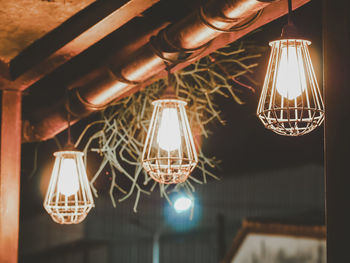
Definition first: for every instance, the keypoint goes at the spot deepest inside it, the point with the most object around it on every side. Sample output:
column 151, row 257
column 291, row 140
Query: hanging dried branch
column 120, row 133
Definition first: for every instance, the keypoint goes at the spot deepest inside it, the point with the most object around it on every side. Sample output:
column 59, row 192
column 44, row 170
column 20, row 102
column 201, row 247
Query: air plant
column 119, row 134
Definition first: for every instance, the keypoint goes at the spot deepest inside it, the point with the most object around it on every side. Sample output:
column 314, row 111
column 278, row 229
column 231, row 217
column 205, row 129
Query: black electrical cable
column 235, row 28
column 69, row 139
column 121, row 78
column 290, row 10
column 192, row 55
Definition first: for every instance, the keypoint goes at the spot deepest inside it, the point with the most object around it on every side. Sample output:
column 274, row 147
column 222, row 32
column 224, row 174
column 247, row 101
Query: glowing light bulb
column 169, row 136
column 182, row 204
column 68, row 198
column 290, row 77
column 169, row 154
column 68, row 182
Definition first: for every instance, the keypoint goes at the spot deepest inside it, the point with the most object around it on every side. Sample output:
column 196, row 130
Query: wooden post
column 336, row 41
column 10, row 163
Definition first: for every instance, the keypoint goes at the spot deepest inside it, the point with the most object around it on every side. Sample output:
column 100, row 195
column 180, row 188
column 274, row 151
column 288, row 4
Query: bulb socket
column 289, row 31
column 69, row 147
column 169, row 93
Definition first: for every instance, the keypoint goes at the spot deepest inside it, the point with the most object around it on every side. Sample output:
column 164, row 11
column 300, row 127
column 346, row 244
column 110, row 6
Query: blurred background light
column 182, row 204
column 184, row 213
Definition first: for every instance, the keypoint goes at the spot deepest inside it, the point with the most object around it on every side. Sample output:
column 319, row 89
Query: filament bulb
column 68, row 182
column 290, row 77
column 169, row 136
column 169, row 154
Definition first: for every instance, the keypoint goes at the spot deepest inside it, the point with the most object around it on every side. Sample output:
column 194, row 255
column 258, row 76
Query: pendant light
column 68, row 199
column 291, row 102
column 169, row 154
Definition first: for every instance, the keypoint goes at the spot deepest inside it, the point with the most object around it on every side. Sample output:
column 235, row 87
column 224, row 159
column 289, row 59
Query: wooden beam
column 23, row 22
column 336, row 42
column 61, row 35
column 10, row 163
column 71, row 38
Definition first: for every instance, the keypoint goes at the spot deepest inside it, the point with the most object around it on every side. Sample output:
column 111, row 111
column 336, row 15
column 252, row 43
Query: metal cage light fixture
column 291, row 102
column 68, row 198
column 169, row 154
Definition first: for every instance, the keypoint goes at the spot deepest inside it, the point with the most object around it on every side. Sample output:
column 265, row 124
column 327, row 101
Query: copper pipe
column 109, row 84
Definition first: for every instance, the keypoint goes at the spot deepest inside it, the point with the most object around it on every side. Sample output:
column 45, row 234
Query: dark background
column 264, row 176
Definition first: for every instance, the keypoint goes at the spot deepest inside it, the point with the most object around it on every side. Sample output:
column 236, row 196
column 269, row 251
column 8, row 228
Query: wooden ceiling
column 26, row 21
column 38, row 36
column 47, row 47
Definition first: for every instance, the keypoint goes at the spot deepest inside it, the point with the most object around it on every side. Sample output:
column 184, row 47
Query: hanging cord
column 69, row 139
column 69, row 145
column 289, row 31
column 169, row 92
column 290, row 10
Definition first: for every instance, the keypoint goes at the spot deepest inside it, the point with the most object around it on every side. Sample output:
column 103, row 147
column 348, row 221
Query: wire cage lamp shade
column 169, row 154
column 68, row 199
column 291, row 103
